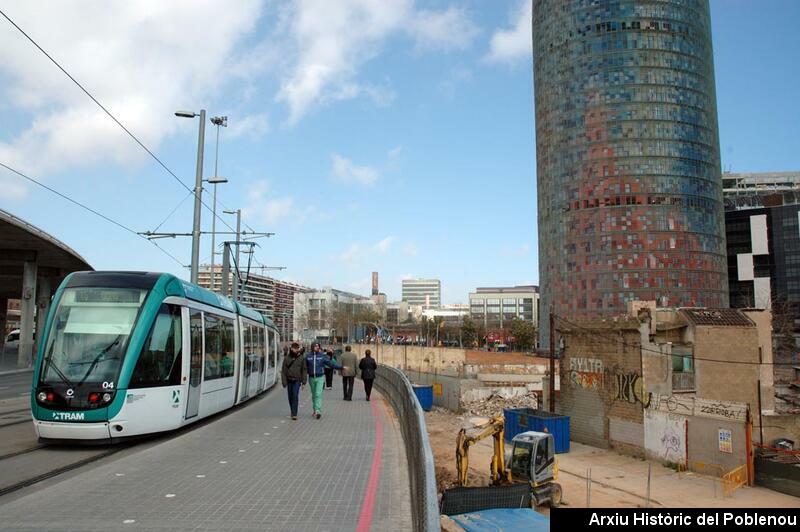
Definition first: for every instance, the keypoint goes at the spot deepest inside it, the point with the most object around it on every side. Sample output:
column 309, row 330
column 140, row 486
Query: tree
column 471, row 332
column 785, row 316
column 524, row 333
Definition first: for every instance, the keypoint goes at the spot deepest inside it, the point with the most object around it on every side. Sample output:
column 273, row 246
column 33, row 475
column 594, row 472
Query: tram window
column 273, row 356
column 211, row 355
column 219, row 347
column 228, row 348
column 265, row 351
column 159, row 362
column 196, row 335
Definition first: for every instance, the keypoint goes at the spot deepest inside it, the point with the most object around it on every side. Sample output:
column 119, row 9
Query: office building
column 628, row 167
column 760, row 189
column 497, row 307
column 426, row 293
column 328, row 314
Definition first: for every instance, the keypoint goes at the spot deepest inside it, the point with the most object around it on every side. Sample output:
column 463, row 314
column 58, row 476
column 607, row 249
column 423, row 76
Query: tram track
column 4, row 490
column 35, row 463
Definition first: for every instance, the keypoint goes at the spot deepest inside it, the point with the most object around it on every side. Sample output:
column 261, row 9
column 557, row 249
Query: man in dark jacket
column 367, row 367
column 293, row 376
column 316, row 362
column 350, row 361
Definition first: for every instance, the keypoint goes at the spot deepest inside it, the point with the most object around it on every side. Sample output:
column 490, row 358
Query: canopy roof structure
column 21, row 242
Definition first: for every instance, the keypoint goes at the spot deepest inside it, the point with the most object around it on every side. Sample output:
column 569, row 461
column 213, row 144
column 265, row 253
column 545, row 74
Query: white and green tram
column 126, row 354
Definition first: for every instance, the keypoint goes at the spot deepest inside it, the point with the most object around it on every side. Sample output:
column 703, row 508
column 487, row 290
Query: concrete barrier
column 394, row 385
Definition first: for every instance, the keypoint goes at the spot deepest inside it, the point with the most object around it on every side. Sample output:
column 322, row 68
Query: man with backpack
column 316, row 362
column 293, row 376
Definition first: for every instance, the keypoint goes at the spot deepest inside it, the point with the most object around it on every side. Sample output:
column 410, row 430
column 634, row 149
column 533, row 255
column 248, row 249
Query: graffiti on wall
column 628, row 386
column 586, row 373
column 695, row 406
column 665, row 437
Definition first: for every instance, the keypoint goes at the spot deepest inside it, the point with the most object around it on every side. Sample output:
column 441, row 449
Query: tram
column 126, row 354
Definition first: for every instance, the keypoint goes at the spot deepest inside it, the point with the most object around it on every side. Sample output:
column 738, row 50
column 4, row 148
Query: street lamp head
column 220, row 121
column 216, row 180
column 186, row 114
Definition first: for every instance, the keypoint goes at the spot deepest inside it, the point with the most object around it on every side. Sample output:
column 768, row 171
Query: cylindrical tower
column 627, row 148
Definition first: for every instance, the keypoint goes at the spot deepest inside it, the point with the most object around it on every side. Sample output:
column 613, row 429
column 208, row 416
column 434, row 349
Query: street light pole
column 198, row 190
column 217, row 121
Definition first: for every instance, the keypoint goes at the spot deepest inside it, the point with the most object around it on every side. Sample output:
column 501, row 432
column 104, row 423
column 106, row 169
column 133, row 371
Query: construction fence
column 396, row 387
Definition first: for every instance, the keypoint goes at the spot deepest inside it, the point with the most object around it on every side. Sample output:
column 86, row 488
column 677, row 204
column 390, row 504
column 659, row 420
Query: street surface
column 15, row 385
column 253, row 469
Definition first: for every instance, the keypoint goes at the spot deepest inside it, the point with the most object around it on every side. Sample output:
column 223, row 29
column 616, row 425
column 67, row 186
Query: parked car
column 11, row 345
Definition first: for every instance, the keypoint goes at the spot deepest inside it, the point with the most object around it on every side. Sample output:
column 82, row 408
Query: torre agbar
column 627, row 148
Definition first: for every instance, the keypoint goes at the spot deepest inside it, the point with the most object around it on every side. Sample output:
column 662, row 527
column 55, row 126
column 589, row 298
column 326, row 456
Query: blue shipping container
column 518, row 420
column 424, row 393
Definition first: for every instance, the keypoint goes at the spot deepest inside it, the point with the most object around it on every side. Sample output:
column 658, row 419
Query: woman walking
column 316, row 362
column 367, row 366
column 293, row 376
column 329, row 371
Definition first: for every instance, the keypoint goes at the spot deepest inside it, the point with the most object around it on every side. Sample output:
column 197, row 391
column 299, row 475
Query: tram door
column 195, row 363
column 247, row 360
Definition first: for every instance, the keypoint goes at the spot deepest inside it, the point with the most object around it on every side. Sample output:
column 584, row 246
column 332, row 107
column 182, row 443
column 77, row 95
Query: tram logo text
column 68, row 416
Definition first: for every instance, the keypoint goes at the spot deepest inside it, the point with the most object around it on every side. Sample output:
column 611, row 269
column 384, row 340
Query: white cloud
column 445, row 30
column 270, row 211
column 11, row 186
column 395, row 152
column 251, row 126
column 515, row 43
column 352, row 254
column 384, row 245
column 330, row 41
column 410, row 249
column 345, row 171
column 133, row 56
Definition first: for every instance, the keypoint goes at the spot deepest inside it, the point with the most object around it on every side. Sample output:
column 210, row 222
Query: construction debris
column 494, row 404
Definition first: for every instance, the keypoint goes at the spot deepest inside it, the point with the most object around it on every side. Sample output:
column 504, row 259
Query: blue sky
column 389, row 136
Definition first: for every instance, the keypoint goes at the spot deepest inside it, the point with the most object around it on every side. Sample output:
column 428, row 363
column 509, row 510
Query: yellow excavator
column 532, row 460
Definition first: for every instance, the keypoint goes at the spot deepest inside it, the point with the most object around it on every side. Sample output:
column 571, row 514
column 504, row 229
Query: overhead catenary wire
column 645, row 349
column 87, row 208
column 172, row 212
column 114, row 118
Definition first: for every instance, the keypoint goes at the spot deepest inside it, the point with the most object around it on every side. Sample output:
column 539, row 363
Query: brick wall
column 602, row 389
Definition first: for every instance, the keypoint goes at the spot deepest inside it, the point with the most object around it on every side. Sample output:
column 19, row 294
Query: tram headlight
column 107, row 397
column 42, row 397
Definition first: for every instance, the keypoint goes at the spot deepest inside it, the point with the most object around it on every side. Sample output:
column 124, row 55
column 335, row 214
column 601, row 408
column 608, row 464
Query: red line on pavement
column 367, row 506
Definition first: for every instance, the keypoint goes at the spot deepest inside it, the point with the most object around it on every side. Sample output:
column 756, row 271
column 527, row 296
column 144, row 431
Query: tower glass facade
column 627, row 147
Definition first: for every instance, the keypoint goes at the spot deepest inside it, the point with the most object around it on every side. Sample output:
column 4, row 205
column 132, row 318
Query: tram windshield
column 89, row 335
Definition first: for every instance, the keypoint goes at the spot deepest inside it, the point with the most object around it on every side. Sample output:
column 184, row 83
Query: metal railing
column 396, row 387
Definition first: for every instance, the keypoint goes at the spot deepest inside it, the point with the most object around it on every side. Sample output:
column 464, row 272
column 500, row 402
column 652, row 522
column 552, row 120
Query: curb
column 15, row 371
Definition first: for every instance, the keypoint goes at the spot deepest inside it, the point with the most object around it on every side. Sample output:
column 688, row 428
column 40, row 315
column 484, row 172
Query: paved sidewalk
column 254, row 469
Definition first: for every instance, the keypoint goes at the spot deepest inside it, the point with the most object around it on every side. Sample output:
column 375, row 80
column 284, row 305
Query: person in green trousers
column 316, row 362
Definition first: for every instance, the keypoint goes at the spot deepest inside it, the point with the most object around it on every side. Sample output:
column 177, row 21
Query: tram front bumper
column 57, row 431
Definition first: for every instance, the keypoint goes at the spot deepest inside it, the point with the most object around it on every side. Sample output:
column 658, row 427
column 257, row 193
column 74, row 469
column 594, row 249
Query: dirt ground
column 618, row 481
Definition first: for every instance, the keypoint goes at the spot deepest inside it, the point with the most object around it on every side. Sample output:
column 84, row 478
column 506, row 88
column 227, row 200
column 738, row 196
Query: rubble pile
column 494, row 404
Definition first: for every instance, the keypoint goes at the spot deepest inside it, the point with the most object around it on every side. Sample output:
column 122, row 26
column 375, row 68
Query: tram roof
column 173, row 286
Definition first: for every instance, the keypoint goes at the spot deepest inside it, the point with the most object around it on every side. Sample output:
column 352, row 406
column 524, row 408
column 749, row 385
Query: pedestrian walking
column 293, row 376
column 367, row 367
column 316, row 361
column 350, row 361
column 329, row 371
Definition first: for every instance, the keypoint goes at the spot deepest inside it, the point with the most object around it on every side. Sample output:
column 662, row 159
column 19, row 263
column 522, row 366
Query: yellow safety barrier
column 734, row 479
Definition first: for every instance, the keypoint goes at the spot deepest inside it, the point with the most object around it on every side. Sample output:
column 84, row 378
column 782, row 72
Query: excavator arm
column 469, row 436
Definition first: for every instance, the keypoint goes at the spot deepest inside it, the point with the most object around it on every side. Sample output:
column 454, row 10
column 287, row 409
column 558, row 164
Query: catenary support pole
column 226, row 267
